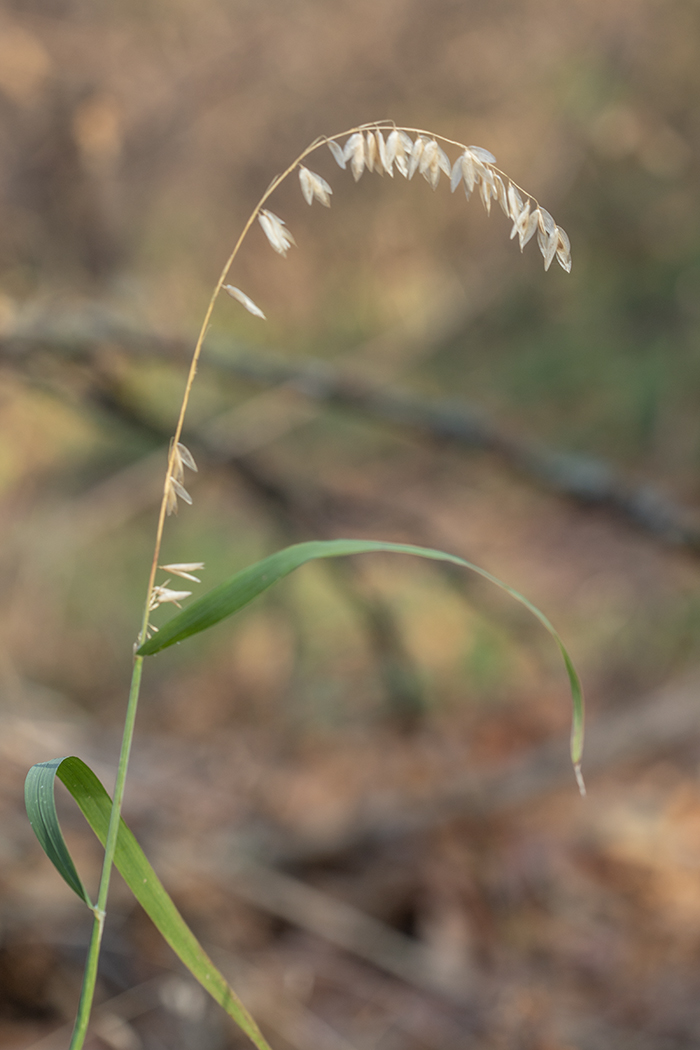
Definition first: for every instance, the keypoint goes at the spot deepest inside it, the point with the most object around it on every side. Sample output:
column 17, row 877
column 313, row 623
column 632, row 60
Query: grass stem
column 87, row 993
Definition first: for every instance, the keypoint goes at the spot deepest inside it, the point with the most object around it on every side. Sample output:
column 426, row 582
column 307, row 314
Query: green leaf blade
column 236, row 592
column 41, row 810
column 130, row 860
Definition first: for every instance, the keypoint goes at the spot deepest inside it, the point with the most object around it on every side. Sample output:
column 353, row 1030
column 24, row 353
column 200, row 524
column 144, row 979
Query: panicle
column 367, row 148
column 381, row 149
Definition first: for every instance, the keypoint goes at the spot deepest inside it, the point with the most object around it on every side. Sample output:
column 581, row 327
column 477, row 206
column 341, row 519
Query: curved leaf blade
column 239, row 590
column 131, row 862
column 41, row 810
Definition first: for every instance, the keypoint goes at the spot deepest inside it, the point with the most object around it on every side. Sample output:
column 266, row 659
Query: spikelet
column 244, row 300
column 162, row 594
column 433, row 160
column 337, row 152
column 500, row 193
column 416, row 154
column 398, row 150
column 547, row 237
column 313, row 186
column 564, row 250
column 526, row 230
column 371, row 152
column 383, row 157
column 276, row 231
column 354, row 151
column 184, row 569
column 181, row 458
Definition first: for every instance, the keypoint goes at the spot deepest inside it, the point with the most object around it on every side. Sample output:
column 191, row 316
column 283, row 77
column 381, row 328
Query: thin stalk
column 100, row 908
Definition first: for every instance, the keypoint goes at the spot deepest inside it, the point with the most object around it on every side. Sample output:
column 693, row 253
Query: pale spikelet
column 398, row 150
column 491, row 188
column 276, row 231
column 185, row 569
column 518, row 220
column 371, row 152
column 427, row 165
column 482, row 154
column 564, row 251
column 526, row 230
column 547, row 236
column 515, row 206
column 551, row 251
column 244, row 300
column 162, row 594
column 171, row 498
column 313, row 186
column 485, row 192
column 469, row 172
column 181, row 458
column 456, row 174
column 337, row 152
column 432, row 161
column 181, row 491
column 354, row 151
column 381, row 150
column 546, row 222
column 416, row 154
column 501, row 195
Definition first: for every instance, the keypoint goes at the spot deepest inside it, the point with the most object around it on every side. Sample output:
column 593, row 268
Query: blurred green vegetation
column 134, row 141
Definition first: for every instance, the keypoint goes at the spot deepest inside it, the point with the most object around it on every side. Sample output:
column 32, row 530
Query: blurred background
column 358, row 792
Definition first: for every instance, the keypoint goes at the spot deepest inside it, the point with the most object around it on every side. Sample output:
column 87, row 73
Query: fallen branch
column 298, row 387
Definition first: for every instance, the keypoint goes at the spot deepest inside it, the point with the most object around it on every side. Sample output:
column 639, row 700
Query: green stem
column 90, row 976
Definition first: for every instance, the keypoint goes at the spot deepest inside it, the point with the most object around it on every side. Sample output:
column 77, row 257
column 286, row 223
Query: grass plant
column 386, row 149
